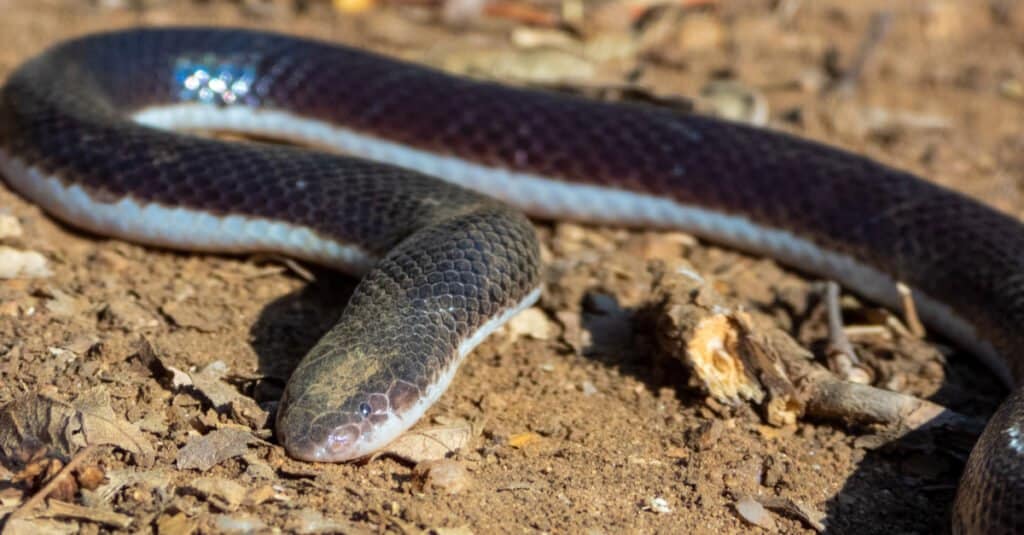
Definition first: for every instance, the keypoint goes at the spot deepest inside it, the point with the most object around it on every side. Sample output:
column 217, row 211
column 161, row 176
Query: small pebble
column 15, row 263
column 657, row 504
column 532, row 323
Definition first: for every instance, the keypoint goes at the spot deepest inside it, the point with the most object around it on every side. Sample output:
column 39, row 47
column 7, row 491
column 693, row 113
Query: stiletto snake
column 85, row 133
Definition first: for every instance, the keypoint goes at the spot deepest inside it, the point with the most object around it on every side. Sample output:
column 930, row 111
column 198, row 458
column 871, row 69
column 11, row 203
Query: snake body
column 84, row 132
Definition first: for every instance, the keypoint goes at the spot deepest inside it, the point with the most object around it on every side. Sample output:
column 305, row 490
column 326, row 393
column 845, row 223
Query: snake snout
column 355, row 429
column 341, row 444
column 324, row 444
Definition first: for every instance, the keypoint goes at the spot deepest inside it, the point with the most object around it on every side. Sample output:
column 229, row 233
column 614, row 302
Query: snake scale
column 85, row 132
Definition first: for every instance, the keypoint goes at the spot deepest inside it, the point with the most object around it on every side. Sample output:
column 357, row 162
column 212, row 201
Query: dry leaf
column 225, row 397
column 36, row 421
column 206, row 451
column 100, row 425
column 430, row 444
column 445, row 475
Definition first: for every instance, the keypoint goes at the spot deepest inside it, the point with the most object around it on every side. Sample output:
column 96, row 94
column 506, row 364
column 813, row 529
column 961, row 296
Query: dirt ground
column 576, row 424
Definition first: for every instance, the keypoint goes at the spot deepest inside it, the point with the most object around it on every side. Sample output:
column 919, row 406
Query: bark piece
column 732, row 358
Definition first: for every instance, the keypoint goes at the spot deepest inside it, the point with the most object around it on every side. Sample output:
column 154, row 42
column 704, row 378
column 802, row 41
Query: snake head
column 340, row 434
column 312, row 431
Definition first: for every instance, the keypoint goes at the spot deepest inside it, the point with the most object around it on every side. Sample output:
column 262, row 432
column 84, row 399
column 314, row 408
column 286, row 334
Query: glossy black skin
column 63, row 112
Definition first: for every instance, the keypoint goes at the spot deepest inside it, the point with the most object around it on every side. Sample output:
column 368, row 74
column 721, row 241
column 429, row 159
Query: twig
column 287, row 262
column 877, row 29
column 842, row 358
column 910, row 310
column 59, row 509
column 38, row 497
column 852, row 403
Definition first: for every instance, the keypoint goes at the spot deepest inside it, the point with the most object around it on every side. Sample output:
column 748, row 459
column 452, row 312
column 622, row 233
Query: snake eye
column 364, row 409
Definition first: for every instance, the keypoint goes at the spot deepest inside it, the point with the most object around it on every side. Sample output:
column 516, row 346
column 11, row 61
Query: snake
column 423, row 193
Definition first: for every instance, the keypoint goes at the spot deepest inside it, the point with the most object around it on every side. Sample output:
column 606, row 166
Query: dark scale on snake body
column 83, row 133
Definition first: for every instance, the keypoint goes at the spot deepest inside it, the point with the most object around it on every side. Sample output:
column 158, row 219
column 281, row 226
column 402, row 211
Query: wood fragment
column 694, row 325
column 868, row 331
column 59, row 509
column 732, row 359
column 768, row 351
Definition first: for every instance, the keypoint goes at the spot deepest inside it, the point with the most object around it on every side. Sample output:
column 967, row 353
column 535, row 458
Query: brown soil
column 586, row 430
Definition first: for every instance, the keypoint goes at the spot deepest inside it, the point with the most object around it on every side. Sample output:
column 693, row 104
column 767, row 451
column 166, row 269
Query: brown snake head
column 348, row 406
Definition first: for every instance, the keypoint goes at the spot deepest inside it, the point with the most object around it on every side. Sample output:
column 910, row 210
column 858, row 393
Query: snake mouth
column 351, row 432
column 332, row 439
column 339, row 445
